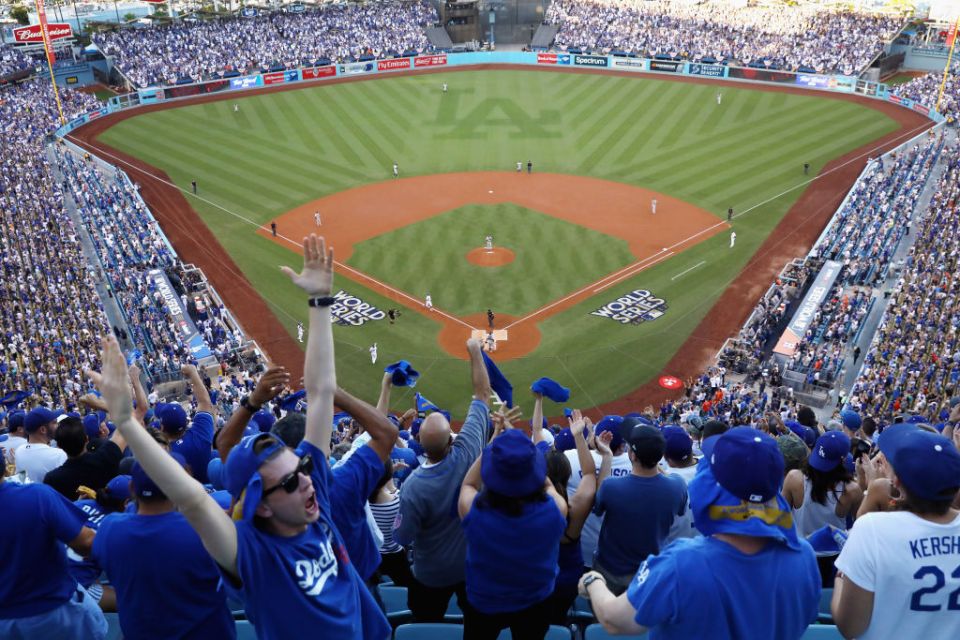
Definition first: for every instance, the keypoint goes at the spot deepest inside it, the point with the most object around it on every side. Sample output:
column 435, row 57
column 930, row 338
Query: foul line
column 340, row 265
column 635, row 268
column 683, row 273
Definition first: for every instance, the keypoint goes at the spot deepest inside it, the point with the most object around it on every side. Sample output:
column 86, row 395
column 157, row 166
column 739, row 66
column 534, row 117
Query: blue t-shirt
column 637, row 514
column 306, row 584
column 36, row 523
column 705, row 588
column 86, row 570
column 512, row 561
column 196, row 444
column 353, row 482
column 167, row 584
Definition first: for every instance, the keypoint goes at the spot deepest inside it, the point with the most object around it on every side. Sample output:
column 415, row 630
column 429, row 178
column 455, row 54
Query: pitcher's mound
column 496, row 257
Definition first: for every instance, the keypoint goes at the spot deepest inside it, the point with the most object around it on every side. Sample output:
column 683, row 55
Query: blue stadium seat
column 821, row 632
column 597, row 632
column 824, row 616
column 395, row 602
column 553, row 633
column 245, row 630
column 429, row 631
column 453, row 614
column 113, row 626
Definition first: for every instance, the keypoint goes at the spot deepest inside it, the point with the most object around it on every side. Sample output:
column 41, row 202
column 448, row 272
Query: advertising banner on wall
column 817, row 82
column 919, row 108
column 749, row 73
column 246, row 83
column 34, row 35
column 151, row 95
column 553, row 58
column 709, row 70
column 181, row 321
column 584, row 60
column 629, row 64
column 277, row 77
column 430, row 61
column 395, row 63
column 356, row 68
column 667, row 66
column 318, row 72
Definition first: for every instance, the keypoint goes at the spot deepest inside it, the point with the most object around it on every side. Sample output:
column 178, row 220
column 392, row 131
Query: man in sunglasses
column 284, row 552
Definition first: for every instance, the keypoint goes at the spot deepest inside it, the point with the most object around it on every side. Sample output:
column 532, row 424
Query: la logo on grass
column 493, row 116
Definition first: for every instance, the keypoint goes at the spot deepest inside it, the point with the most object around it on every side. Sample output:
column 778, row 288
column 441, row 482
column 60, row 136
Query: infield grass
column 285, row 149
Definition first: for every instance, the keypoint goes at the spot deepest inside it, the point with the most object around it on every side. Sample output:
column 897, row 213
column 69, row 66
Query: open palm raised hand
column 316, row 278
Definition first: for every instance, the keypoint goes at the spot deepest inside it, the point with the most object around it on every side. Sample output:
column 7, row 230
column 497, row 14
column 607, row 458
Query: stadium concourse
column 252, row 509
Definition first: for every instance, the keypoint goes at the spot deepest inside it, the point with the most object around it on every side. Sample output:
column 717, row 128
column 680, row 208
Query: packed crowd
column 337, row 32
column 779, row 37
column 13, row 60
column 913, row 364
column 925, row 89
column 131, row 250
column 50, row 313
column 294, row 524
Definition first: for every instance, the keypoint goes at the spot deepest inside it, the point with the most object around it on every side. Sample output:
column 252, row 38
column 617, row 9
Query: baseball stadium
column 620, row 284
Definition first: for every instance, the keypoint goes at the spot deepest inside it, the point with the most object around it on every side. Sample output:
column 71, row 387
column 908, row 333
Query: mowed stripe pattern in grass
column 552, row 258
column 284, row 149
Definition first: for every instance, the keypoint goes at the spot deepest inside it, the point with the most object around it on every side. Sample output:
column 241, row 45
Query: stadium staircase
column 543, row 37
column 439, row 38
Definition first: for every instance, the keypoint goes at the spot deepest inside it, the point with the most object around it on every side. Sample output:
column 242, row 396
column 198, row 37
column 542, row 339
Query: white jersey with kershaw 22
column 912, row 566
column 591, row 528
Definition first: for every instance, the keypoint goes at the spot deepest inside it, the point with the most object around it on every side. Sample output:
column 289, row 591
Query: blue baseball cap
column 927, row 463
column 39, row 417
column 747, row 463
column 679, row 446
column 119, row 487
column 15, row 419
column 173, row 419
column 851, row 419
column 264, row 420
column 564, row 441
column 512, row 466
column 611, row 424
column 91, row 425
column 829, row 451
column 143, row 485
column 241, row 475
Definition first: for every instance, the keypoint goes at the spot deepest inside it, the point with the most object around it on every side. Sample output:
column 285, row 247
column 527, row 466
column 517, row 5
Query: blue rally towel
column 424, row 405
column 498, row 382
column 13, row 398
column 295, row 401
column 403, row 374
column 551, row 389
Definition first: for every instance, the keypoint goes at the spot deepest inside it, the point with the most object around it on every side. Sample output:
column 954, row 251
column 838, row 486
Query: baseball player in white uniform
column 719, row 97
column 653, row 206
column 300, row 332
column 236, row 108
column 519, row 167
column 373, row 353
column 428, row 302
column 316, row 218
column 488, row 243
column 733, row 238
column 396, row 170
column 444, row 87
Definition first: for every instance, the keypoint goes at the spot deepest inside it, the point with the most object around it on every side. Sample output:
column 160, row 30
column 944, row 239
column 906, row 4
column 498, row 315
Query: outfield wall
column 828, row 83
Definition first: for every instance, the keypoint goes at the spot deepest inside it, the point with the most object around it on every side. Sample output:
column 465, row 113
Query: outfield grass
column 285, row 149
column 542, row 271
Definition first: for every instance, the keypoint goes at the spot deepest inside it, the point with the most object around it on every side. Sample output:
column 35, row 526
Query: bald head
column 435, row 436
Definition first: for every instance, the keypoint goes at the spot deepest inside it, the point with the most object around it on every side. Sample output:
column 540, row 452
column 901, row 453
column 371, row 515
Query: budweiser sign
column 33, row 33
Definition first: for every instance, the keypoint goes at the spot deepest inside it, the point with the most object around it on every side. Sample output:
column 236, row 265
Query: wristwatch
column 249, row 406
column 589, row 580
column 321, row 301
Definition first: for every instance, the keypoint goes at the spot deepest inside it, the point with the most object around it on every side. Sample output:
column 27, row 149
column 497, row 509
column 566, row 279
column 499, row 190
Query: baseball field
column 588, row 284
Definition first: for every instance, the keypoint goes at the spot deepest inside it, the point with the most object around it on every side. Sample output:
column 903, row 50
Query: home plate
column 498, row 334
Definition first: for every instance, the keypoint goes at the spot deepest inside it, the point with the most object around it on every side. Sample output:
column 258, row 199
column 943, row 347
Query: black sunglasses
column 291, row 481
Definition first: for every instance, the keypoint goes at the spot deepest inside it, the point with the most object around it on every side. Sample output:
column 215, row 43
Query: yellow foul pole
column 946, row 69
column 48, row 49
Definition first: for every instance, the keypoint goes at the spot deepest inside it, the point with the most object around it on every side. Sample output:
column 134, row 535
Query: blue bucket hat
column 241, row 475
column 927, row 463
column 402, row 374
column 737, row 488
column 512, row 465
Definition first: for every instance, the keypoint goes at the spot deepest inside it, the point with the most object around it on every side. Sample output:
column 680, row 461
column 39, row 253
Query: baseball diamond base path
column 614, row 208
column 792, row 237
